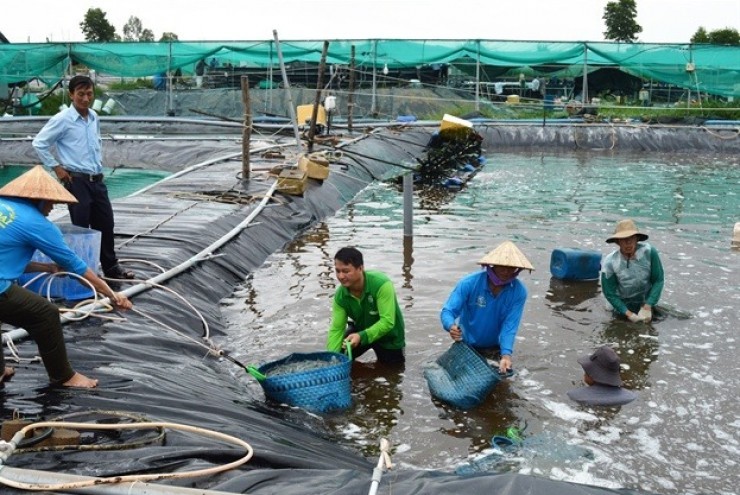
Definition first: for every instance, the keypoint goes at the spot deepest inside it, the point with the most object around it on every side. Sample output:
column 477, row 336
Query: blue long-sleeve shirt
column 23, row 230
column 77, row 141
column 485, row 320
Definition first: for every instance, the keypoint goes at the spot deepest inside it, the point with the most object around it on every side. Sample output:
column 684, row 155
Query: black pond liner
column 146, row 370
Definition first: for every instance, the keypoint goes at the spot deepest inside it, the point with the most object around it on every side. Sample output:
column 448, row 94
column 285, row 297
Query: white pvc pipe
column 141, row 287
column 139, row 488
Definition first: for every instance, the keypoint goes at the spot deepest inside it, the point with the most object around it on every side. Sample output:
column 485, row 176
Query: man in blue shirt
column 24, row 204
column 485, row 308
column 75, row 132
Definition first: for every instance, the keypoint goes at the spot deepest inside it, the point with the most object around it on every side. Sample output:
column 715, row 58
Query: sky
column 662, row 21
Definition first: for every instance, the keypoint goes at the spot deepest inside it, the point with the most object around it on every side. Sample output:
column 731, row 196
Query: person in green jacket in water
column 632, row 277
column 365, row 311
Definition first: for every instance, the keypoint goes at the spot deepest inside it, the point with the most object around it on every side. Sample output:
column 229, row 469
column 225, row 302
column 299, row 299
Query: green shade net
column 707, row 68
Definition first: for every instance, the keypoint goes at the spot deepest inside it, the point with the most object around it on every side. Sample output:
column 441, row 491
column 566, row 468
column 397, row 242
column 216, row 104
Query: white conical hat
column 507, row 254
column 37, row 184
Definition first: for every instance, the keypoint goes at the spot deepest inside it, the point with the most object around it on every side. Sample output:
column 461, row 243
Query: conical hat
column 626, row 228
column 506, row 254
column 37, row 184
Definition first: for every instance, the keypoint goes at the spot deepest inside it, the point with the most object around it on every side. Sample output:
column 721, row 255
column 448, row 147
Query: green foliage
column 726, row 36
column 134, row 31
column 620, row 21
column 700, row 36
column 96, row 27
column 168, row 36
column 124, row 85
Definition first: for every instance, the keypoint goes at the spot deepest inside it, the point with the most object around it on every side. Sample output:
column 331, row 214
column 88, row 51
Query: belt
column 88, row 177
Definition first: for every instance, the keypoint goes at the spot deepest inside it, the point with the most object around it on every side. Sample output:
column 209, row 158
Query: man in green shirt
column 368, row 299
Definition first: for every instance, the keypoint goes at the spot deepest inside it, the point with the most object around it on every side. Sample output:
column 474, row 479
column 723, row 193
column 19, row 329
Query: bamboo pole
column 351, row 95
column 286, row 83
column 317, row 100
column 247, row 129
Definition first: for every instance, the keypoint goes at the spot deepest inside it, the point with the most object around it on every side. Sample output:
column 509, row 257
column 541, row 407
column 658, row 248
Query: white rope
column 10, row 447
column 384, row 462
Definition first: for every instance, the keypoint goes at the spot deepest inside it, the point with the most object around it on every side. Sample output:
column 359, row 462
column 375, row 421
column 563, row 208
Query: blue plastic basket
column 461, row 377
column 323, row 389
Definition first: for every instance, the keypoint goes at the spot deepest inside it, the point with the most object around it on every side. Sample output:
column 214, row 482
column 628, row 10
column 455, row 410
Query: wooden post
column 247, row 130
column 317, row 101
column 351, row 95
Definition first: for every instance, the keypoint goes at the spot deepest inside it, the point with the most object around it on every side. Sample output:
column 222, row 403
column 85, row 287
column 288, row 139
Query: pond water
column 680, row 436
column 121, row 182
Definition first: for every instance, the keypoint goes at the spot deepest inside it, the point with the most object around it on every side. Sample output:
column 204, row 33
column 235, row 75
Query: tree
column 96, row 27
column 700, row 36
column 169, row 37
column 134, row 31
column 726, row 36
column 620, row 21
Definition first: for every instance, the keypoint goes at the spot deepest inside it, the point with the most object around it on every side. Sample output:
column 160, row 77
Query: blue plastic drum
column 575, row 264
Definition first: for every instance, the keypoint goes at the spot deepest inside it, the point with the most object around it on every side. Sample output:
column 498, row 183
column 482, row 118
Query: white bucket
column 109, row 105
column 97, row 105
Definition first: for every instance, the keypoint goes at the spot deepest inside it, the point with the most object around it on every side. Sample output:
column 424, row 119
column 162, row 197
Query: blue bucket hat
column 602, row 366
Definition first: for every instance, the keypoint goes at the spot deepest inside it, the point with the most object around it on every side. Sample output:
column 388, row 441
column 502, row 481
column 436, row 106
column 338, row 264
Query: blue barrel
column 575, row 264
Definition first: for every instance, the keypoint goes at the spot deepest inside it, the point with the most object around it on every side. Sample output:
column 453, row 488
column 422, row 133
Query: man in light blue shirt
column 485, row 308
column 75, row 134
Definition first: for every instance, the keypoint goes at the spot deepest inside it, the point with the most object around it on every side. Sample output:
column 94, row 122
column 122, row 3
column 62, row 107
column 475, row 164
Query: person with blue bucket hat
column 602, row 377
column 485, row 308
column 632, row 276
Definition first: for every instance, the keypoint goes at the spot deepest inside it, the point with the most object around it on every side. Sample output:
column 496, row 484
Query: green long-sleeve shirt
column 376, row 314
column 628, row 284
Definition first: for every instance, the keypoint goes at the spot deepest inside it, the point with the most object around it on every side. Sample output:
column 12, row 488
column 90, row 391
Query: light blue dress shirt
column 77, row 141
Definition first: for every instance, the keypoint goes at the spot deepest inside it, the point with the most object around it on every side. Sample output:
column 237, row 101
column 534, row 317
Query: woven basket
column 461, row 377
column 323, row 389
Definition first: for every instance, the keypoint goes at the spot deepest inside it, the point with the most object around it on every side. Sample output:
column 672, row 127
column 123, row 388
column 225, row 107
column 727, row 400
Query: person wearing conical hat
column 25, row 203
column 485, row 308
column 74, row 133
column 632, row 276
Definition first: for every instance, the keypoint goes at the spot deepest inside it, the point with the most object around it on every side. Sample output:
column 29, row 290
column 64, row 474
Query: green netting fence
column 708, row 69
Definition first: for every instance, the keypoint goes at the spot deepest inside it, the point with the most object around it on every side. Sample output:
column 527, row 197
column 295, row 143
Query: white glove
column 634, row 318
column 645, row 314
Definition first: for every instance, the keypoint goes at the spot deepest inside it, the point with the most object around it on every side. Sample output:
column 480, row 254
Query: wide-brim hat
column 506, row 254
column 602, row 366
column 624, row 229
column 37, row 184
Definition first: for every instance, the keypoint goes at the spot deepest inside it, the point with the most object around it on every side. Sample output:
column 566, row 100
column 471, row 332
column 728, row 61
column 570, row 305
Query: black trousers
column 40, row 318
column 385, row 356
column 94, row 211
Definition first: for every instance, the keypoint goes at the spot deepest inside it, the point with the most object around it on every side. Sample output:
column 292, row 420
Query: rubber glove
column 646, row 314
column 633, row 317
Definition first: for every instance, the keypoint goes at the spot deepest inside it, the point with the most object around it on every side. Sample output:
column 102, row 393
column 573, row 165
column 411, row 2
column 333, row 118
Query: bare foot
column 7, row 374
column 79, row 380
